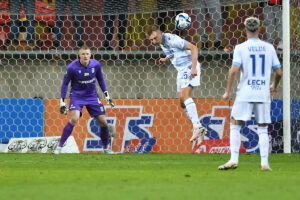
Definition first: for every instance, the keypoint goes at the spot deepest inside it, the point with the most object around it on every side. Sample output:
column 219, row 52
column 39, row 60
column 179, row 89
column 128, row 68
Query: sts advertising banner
column 142, row 126
column 160, row 125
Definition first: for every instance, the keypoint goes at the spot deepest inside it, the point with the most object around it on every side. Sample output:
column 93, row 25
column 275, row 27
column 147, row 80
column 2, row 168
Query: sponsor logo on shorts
column 72, row 106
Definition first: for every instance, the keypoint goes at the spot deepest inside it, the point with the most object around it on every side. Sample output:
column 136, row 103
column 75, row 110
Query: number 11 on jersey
column 262, row 57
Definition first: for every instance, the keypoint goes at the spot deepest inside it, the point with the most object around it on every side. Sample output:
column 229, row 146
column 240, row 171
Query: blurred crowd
column 119, row 25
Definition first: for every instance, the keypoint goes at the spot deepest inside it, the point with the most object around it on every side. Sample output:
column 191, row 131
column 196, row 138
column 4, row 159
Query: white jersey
column 175, row 49
column 256, row 60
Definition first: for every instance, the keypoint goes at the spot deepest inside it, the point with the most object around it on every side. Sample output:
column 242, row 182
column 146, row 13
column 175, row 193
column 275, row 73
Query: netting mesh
column 295, row 78
column 36, row 49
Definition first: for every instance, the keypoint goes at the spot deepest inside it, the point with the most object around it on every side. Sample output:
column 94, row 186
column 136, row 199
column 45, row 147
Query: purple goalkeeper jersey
column 83, row 80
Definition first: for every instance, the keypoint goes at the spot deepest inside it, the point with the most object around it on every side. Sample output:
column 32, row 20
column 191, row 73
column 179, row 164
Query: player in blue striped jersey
column 184, row 57
column 255, row 59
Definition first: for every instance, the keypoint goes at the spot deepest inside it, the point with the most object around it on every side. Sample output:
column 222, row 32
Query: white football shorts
column 184, row 78
column 243, row 111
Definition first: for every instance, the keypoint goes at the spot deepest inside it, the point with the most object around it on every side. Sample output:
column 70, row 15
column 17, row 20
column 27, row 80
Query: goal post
column 286, row 77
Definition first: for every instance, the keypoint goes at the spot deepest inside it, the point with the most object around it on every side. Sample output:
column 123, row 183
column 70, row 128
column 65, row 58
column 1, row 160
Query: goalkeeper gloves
column 108, row 99
column 63, row 107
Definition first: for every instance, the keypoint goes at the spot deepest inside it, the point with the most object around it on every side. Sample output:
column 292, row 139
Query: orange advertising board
column 145, row 125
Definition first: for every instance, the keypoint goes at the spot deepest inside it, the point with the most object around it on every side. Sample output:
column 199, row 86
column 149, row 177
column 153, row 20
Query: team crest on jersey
column 79, row 71
column 93, row 70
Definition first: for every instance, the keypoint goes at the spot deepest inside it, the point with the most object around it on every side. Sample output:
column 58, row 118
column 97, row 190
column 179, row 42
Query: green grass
column 146, row 177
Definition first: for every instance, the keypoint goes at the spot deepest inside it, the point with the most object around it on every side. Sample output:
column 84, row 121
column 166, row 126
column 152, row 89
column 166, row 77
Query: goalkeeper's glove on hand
column 108, row 99
column 63, row 107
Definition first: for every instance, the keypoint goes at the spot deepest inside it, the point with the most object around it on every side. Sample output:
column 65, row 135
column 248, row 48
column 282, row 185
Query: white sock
column 186, row 112
column 263, row 144
column 191, row 110
column 235, row 142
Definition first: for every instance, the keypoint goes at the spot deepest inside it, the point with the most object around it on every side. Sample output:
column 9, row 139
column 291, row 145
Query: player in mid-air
column 255, row 59
column 184, row 57
column 83, row 73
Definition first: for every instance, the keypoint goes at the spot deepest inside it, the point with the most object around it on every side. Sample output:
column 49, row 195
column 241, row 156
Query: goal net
column 38, row 41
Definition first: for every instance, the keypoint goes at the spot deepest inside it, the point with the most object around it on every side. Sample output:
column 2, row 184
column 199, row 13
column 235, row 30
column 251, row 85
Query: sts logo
column 217, row 137
column 95, row 143
column 131, row 120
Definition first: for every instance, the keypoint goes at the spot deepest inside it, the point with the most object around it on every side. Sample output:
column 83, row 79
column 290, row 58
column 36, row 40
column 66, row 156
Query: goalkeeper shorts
column 94, row 107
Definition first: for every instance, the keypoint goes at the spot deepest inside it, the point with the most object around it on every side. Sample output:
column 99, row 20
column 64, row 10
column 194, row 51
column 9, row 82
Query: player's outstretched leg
column 198, row 130
column 66, row 133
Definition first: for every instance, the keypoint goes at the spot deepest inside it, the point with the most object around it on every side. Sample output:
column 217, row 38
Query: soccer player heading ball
column 255, row 59
column 83, row 73
column 184, row 57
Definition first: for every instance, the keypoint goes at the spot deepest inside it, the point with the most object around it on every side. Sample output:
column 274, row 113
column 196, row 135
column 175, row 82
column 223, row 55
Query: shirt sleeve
column 275, row 60
column 65, row 83
column 237, row 56
column 100, row 79
column 168, row 53
column 177, row 42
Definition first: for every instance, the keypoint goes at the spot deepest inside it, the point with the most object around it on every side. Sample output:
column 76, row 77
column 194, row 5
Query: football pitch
column 146, row 177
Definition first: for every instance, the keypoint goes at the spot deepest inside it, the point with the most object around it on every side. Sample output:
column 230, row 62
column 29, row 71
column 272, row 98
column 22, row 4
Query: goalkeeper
column 83, row 73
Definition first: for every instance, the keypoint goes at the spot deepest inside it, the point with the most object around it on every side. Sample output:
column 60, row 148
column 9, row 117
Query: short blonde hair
column 252, row 24
column 150, row 29
column 84, row 47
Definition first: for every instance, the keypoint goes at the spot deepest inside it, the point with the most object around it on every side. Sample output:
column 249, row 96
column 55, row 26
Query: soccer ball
column 182, row 21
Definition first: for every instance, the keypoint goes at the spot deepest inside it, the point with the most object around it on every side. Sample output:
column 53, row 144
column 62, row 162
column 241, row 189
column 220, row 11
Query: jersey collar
column 83, row 65
column 253, row 39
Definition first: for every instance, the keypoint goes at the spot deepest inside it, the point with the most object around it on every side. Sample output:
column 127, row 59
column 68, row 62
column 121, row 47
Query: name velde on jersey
column 256, row 48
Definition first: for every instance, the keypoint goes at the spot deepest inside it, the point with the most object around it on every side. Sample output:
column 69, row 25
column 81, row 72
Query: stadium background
column 147, row 117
